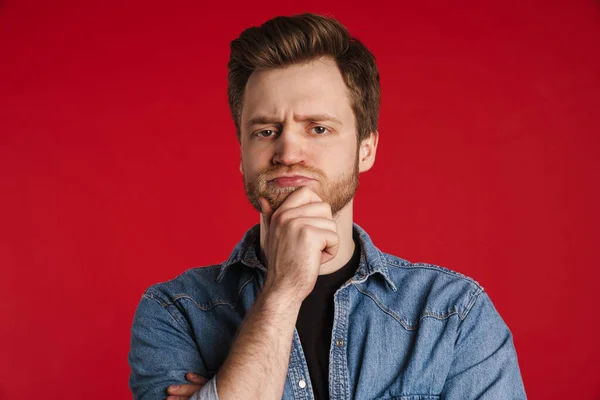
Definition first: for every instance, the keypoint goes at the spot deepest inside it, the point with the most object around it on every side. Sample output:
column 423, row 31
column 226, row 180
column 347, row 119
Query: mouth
column 289, row 181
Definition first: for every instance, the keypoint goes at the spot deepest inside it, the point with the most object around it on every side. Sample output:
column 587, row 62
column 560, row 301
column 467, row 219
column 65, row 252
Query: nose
column 290, row 148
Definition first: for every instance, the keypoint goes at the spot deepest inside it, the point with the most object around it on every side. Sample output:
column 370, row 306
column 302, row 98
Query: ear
column 241, row 165
column 366, row 152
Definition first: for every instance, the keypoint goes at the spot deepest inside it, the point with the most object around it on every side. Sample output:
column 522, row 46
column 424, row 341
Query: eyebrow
column 260, row 120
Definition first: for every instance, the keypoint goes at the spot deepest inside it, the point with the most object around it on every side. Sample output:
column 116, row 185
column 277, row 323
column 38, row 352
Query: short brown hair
column 286, row 40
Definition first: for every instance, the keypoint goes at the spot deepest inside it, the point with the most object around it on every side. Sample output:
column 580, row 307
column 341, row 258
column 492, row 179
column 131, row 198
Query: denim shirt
column 400, row 331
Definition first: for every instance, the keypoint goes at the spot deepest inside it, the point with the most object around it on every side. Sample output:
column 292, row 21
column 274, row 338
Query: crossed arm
column 163, row 351
column 485, row 366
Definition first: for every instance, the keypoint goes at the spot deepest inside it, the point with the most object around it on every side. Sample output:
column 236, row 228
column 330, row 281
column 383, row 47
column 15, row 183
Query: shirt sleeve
column 485, row 364
column 208, row 391
column 162, row 351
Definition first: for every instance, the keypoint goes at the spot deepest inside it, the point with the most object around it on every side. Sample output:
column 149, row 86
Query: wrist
column 281, row 299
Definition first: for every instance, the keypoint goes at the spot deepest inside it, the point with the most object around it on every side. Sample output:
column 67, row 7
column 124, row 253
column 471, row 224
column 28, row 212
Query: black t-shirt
column 315, row 322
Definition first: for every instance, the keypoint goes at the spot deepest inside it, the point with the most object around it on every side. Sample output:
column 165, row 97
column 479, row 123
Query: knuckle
column 286, row 218
column 294, row 224
column 306, row 232
column 276, row 218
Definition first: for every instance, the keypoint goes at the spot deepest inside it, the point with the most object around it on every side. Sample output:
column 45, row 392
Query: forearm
column 258, row 360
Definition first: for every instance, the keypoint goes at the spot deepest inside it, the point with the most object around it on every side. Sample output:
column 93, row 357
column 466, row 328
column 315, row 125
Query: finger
column 330, row 251
column 183, row 390
column 325, row 224
column 299, row 197
column 196, row 379
column 318, row 210
column 329, row 242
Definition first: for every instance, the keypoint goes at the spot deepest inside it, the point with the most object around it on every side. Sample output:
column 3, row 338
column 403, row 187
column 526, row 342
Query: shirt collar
column 371, row 261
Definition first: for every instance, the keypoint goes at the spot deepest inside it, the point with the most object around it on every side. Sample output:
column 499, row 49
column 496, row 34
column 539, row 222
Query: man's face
column 298, row 120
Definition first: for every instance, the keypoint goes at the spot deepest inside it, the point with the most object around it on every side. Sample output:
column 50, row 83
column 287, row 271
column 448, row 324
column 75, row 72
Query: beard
column 337, row 193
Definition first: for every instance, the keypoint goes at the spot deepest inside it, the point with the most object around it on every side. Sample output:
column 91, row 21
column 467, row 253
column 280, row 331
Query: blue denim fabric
column 401, row 331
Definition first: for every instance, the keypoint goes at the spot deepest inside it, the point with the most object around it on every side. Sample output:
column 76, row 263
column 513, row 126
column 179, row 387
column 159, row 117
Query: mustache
column 275, row 172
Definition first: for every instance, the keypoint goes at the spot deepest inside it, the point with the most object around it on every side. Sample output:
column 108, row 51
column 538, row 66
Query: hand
column 184, row 392
column 300, row 236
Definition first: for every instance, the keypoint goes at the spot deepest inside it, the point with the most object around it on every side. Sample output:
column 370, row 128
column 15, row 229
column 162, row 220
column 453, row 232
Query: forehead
column 315, row 87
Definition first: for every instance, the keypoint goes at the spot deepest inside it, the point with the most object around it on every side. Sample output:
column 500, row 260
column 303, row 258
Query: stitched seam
column 207, row 267
column 210, row 306
column 154, row 298
column 433, row 267
column 406, row 325
column 474, row 297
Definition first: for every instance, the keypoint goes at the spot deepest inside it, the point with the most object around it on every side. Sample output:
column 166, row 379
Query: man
column 306, row 306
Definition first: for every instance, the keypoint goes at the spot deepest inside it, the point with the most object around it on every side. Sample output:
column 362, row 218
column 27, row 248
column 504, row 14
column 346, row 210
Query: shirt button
column 339, row 343
column 302, row 384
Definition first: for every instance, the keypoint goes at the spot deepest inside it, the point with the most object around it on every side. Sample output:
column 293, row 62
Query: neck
column 343, row 221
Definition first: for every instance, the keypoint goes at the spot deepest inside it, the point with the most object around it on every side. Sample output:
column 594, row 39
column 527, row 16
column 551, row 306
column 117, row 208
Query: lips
column 287, row 181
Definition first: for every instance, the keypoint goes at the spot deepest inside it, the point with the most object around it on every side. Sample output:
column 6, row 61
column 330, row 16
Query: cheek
column 254, row 163
column 335, row 161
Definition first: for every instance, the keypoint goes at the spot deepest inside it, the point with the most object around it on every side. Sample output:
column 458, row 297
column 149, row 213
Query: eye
column 320, row 129
column 266, row 133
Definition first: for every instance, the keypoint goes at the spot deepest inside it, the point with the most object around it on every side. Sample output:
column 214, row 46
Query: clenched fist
column 300, row 236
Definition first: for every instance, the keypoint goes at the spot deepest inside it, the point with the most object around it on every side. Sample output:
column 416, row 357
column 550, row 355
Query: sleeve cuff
column 208, row 391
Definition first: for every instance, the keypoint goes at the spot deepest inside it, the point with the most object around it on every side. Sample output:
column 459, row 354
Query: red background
column 119, row 169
